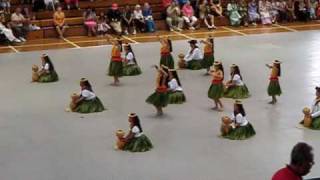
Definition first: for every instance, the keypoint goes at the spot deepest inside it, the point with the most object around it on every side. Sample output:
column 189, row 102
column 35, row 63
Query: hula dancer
column 314, row 115
column 47, row 72
column 160, row 97
column 235, row 88
column 115, row 67
column 166, row 49
column 176, row 95
column 88, row 102
column 136, row 141
column 240, row 128
column 194, row 56
column 216, row 89
column 274, row 88
column 130, row 66
column 208, row 55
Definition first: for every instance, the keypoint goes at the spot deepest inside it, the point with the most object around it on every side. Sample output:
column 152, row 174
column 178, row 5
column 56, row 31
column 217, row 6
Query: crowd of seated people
column 178, row 15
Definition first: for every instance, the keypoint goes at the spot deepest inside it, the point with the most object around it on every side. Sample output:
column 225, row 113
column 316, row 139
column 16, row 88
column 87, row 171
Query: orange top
column 116, row 54
column 165, row 50
column 58, row 18
column 217, row 77
column 208, row 49
column 274, row 73
column 162, row 89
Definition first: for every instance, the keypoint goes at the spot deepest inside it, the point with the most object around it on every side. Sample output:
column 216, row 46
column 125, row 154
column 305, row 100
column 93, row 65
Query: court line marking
column 14, row 49
column 238, row 32
column 127, row 38
column 72, row 43
column 285, row 27
column 183, row 35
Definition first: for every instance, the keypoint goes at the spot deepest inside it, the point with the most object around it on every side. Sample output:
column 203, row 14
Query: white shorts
column 191, row 19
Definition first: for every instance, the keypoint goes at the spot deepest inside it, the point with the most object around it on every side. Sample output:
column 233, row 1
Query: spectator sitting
column 72, row 2
column 51, row 4
column 6, row 31
column 114, row 17
column 19, row 25
column 188, row 15
column 290, row 11
column 127, row 20
column 282, row 11
column 59, row 22
column 174, row 20
column 90, row 21
column 5, row 5
column 138, row 19
column 300, row 165
column 253, row 12
column 313, row 8
column 205, row 15
column 264, row 10
column 147, row 14
column 103, row 27
column 274, row 11
column 216, row 8
column 243, row 11
column 233, row 12
column 166, row 4
column 300, row 11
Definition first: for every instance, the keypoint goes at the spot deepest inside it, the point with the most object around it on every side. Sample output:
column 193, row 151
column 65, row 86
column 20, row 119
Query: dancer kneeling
column 160, row 97
column 135, row 141
column 130, row 66
column 87, row 101
column 312, row 118
column 194, row 57
column 47, row 72
column 176, row 95
column 238, row 127
column 235, row 88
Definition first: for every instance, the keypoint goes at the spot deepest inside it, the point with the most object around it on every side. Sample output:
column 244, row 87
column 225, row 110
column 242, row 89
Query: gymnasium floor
column 40, row 141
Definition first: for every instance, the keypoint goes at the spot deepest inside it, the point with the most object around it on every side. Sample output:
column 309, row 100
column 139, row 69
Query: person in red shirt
column 300, row 165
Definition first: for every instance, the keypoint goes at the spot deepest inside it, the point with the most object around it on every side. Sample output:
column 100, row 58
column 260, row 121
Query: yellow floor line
column 238, row 32
column 72, row 43
column 285, row 27
column 127, row 38
column 181, row 34
column 12, row 48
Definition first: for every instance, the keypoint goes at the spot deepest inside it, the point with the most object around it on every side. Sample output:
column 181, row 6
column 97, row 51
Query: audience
column 90, row 21
column 264, row 10
column 19, row 25
column 127, row 21
column 7, row 32
column 102, row 25
column 174, row 19
column 69, row 3
column 300, row 165
column 188, row 16
column 59, row 22
column 147, row 14
column 233, row 12
column 138, row 19
column 243, row 10
column 114, row 17
column 253, row 12
column 5, row 5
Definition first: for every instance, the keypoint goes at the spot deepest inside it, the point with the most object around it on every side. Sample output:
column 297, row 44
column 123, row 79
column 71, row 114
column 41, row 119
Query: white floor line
column 181, row 34
column 235, row 31
column 285, row 27
column 12, row 48
column 129, row 39
column 72, row 43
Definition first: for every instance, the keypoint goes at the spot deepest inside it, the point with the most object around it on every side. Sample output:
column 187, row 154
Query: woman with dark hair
column 194, row 56
column 90, row 21
column 241, row 127
column 235, row 88
column 47, row 72
column 208, row 53
column 136, row 141
column 216, row 89
column 176, row 95
column 274, row 88
column 116, row 67
column 159, row 99
column 315, row 111
column 165, row 51
column 88, row 102
column 130, row 65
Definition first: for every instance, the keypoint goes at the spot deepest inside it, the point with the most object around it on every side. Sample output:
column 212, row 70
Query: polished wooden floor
column 83, row 41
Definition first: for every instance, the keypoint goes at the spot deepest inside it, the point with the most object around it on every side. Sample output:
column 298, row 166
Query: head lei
column 132, row 115
column 216, row 63
column 238, row 102
column 277, row 62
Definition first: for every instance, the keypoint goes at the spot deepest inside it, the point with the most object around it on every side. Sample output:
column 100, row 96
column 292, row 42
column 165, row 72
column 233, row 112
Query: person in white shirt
column 176, row 95
column 47, row 72
column 6, row 31
column 241, row 127
column 315, row 111
column 130, row 65
column 19, row 24
column 136, row 140
column 138, row 19
column 88, row 102
column 235, row 88
column 194, row 56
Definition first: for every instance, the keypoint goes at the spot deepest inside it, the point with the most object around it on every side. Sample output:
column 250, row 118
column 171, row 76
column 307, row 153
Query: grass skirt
column 216, row 91
column 237, row 92
column 315, row 125
column 207, row 61
column 194, row 65
column 115, row 68
column 241, row 133
column 138, row 144
column 50, row 77
column 176, row 97
column 167, row 60
column 131, row 70
column 90, row 106
column 158, row 99
column 274, row 88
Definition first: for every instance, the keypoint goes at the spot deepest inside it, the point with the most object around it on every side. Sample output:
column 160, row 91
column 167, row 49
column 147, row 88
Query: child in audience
column 127, row 21
column 253, row 12
column 188, row 16
column 138, row 19
column 147, row 14
column 103, row 27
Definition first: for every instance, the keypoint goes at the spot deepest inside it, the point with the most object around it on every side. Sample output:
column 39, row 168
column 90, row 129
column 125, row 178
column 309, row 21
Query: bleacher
column 75, row 21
